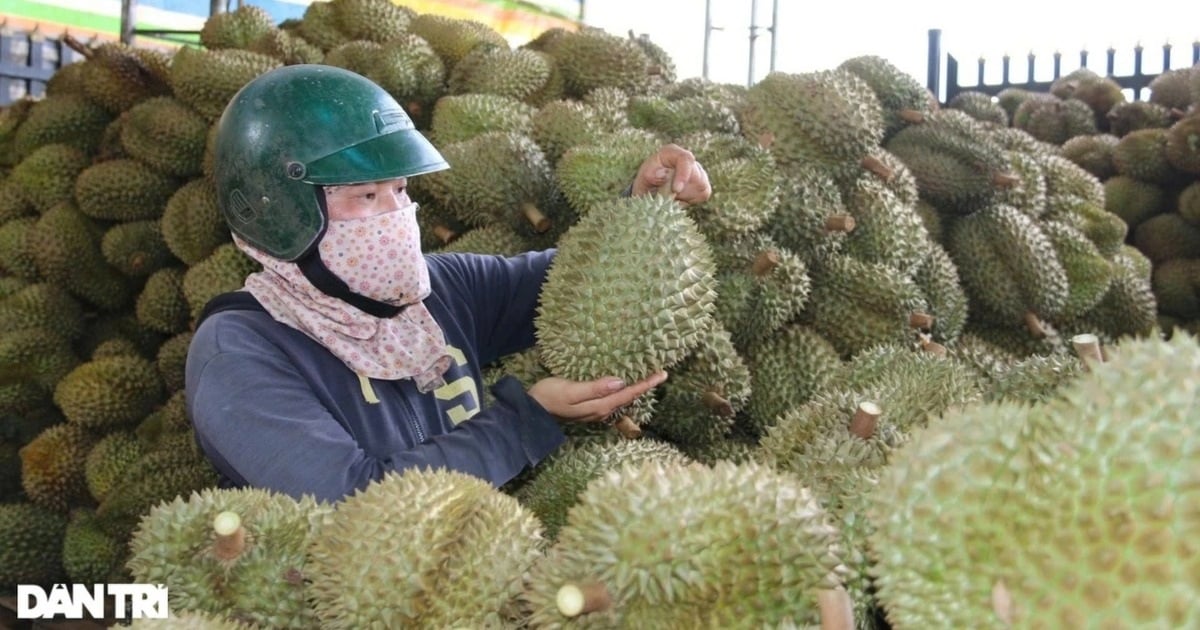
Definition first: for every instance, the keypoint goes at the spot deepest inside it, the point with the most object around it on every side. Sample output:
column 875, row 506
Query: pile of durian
column 919, row 375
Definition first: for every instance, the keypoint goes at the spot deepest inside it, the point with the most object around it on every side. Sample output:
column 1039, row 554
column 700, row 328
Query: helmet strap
column 326, row 282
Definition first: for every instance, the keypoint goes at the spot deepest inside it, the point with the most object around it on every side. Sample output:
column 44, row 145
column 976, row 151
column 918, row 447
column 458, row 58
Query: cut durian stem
column 444, row 234
column 539, row 221
column 874, row 165
column 920, row 320
column 1004, row 180
column 717, row 403
column 413, row 108
column 911, row 116
column 765, row 263
column 931, row 346
column 837, row 611
column 865, row 419
column 766, row 139
column 1177, row 114
column 1035, row 325
column 627, row 427
column 1087, row 346
column 1002, row 602
column 78, row 46
column 231, row 536
column 578, row 599
column 839, row 223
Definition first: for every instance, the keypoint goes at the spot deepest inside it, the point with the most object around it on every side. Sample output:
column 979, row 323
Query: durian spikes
column 876, row 166
column 1035, row 325
column 231, row 536
column 839, row 223
column 765, row 263
column 865, row 419
column 627, row 427
column 920, row 320
column 1087, row 346
column 539, row 221
column 717, row 403
column 837, row 611
column 578, row 599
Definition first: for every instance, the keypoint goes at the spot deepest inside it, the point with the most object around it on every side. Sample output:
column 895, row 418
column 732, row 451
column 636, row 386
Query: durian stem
column 539, row 221
column 932, row 347
column 444, row 234
column 837, row 611
column 1177, row 114
column 839, row 223
column 865, row 419
column 230, row 536
column 765, row 263
column 414, row 108
column 911, row 116
column 1004, row 180
column 874, row 165
column 766, row 139
column 1087, row 346
column 920, row 320
column 78, row 46
column 1035, row 325
column 717, row 404
column 578, row 599
column 1002, row 602
column 627, row 428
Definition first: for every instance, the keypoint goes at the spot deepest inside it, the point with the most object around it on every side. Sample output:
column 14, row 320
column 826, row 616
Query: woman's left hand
column 690, row 183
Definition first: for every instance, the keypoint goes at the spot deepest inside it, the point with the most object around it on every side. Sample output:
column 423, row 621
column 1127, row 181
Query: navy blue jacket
column 274, row 409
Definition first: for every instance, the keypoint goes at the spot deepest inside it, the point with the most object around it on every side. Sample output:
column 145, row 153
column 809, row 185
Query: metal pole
column 933, row 75
column 128, row 20
column 774, row 31
column 707, row 34
column 753, row 36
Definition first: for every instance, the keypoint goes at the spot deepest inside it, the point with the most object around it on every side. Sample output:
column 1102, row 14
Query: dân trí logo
column 130, row 601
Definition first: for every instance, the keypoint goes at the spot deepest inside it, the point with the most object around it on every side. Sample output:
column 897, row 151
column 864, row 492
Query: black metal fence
column 1136, row 82
column 27, row 61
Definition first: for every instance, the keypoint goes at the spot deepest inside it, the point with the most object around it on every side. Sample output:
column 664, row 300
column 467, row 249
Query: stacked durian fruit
column 873, row 330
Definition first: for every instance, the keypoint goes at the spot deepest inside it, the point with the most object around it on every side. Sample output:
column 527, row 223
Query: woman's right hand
column 589, row 401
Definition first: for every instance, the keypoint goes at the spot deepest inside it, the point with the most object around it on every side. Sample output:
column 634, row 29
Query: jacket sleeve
column 261, row 425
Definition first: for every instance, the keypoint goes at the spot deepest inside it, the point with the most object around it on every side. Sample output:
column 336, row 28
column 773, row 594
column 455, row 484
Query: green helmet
column 299, row 127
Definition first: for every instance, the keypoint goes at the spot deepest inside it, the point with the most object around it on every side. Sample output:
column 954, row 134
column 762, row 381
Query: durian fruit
column 560, row 479
column 236, row 28
column 234, row 553
column 1089, row 273
column 460, row 117
column 108, row 460
column 452, row 38
column 958, row 164
column 224, row 270
column 1171, row 89
column 1133, row 115
column 1175, row 284
column 171, row 360
column 319, row 26
column 13, row 204
column 191, row 223
column 592, row 59
column 1189, row 203
column 983, row 520
column 16, row 249
column 787, row 370
column 903, row 99
column 1099, row 93
column 189, row 621
column 857, row 304
column 812, row 219
column 495, row 239
column 70, row 119
column 746, row 192
column 630, row 292
column 89, row 554
column 1132, row 199
column 938, row 280
column 1033, row 379
column 1129, row 308
column 1142, row 154
column 119, row 76
column 1055, row 120
column 673, row 119
column 36, row 356
column 561, row 124
column 1167, row 236
column 46, row 176
column 32, row 550
column 1094, row 153
column 123, row 190
column 688, row 546
column 698, row 403
column 462, row 568
column 597, row 171
column 761, row 287
column 1065, row 178
column 371, row 20
column 886, row 230
column 42, row 305
column 1008, row 266
column 1028, row 194
column 1183, row 145
column 286, row 46
column 1104, row 229
column 52, row 471
column 161, row 305
column 136, row 248
column 109, row 393
column 207, row 79
column 980, row 106
column 515, row 73
column 827, row 119
column 166, row 134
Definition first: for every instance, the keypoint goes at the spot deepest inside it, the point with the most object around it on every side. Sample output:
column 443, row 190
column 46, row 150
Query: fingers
column 689, row 182
column 603, row 406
